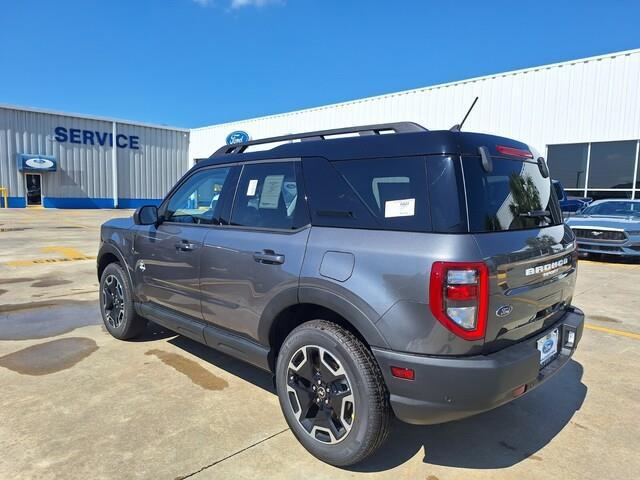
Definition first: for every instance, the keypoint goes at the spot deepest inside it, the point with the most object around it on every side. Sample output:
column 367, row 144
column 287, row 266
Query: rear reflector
column 462, row 292
column 514, row 152
column 520, row 390
column 403, row 373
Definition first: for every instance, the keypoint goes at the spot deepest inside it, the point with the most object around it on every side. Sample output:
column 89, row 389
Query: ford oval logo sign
column 39, row 163
column 237, row 137
column 36, row 162
column 504, row 310
column 547, row 346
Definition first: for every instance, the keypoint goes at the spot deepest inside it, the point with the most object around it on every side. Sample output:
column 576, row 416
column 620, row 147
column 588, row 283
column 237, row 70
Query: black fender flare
column 108, row 247
column 362, row 322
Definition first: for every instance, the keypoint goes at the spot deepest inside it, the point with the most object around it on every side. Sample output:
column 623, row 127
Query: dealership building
column 582, row 115
column 62, row 160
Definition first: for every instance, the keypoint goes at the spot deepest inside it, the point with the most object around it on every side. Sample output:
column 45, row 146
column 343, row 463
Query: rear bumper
column 448, row 389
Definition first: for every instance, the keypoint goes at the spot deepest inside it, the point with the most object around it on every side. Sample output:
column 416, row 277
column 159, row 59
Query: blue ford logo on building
column 40, row 163
column 237, row 137
column 547, row 346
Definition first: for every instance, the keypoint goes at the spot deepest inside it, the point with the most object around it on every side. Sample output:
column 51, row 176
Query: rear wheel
column 116, row 304
column 332, row 393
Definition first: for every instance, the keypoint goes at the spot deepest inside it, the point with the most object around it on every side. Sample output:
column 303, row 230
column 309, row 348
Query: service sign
column 36, row 163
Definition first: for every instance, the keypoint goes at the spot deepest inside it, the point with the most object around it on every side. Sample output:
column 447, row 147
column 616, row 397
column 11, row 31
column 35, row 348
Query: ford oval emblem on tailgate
column 547, row 346
column 504, row 310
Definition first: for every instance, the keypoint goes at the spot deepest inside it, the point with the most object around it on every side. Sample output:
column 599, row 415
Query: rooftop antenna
column 458, row 127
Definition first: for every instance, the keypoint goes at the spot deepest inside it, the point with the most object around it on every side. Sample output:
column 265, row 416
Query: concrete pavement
column 77, row 403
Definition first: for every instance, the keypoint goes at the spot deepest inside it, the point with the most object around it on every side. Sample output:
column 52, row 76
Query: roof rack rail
column 398, row 127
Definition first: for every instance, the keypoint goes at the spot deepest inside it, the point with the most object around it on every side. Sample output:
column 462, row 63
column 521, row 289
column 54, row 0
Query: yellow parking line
column 69, row 254
column 635, row 336
column 66, row 252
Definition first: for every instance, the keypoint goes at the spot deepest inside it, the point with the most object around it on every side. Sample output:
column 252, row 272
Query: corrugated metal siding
column 85, row 171
column 594, row 99
column 153, row 169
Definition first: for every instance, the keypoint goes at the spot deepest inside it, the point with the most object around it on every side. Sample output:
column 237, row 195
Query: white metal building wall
column 84, row 170
column 153, row 169
column 586, row 100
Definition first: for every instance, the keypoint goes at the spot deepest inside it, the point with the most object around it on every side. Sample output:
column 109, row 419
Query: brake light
column 459, row 297
column 514, row 152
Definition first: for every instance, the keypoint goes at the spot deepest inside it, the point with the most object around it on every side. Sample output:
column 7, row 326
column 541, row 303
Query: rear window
column 505, row 198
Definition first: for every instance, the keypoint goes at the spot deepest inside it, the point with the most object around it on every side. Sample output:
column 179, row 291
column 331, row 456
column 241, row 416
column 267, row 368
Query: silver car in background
column 611, row 227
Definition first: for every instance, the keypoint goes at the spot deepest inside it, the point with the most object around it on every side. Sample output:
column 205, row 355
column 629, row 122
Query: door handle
column 269, row 257
column 186, row 246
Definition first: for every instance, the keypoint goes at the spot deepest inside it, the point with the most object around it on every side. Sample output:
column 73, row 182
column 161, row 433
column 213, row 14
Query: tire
column 116, row 304
column 337, row 408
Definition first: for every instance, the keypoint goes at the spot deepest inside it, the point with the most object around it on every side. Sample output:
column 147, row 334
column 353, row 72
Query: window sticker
column 271, row 191
column 400, row 208
column 251, row 189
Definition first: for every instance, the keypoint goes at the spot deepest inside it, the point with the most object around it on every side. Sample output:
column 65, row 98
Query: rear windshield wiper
column 536, row 214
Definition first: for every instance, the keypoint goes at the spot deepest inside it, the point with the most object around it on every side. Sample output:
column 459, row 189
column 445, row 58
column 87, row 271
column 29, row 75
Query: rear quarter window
column 394, row 190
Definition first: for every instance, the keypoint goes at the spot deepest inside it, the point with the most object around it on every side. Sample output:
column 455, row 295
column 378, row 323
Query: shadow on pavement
column 496, row 439
column 499, row 438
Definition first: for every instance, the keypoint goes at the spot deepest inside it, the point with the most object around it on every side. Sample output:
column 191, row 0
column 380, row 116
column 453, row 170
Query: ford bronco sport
column 374, row 270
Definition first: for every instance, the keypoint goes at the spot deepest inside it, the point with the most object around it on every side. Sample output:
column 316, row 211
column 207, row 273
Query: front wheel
column 332, row 393
column 116, row 304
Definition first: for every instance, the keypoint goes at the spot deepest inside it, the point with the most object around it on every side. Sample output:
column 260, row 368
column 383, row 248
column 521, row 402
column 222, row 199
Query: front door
column 33, row 185
column 254, row 263
column 168, row 256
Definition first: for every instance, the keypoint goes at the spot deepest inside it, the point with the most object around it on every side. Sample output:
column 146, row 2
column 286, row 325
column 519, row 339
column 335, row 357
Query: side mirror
column 146, row 215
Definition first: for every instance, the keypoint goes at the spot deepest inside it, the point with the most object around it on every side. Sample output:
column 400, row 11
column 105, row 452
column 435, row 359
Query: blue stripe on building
column 70, row 202
column 15, row 202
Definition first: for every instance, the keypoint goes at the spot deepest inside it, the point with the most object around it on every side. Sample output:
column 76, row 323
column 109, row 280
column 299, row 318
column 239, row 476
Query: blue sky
column 192, row 63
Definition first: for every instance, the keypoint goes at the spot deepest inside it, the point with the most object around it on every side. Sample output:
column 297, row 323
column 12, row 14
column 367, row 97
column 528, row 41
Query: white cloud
column 254, row 3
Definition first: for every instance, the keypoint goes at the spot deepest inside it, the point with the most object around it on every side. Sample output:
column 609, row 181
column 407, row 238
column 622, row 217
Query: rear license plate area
column 548, row 347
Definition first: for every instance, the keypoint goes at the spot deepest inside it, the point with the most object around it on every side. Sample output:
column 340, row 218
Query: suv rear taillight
column 459, row 297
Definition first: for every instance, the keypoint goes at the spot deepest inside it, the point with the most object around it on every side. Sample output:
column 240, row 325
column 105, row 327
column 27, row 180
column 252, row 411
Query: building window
column 568, row 163
column 597, row 170
column 611, row 164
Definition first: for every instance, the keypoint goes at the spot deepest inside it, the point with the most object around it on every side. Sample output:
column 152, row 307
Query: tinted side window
column 332, row 202
column 269, row 196
column 393, row 189
column 197, row 200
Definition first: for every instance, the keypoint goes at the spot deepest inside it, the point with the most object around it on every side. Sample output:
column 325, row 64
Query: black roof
column 405, row 139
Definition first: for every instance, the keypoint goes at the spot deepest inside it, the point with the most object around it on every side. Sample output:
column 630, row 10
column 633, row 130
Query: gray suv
column 374, row 270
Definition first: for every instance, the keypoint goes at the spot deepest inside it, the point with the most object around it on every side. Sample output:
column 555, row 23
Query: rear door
column 254, row 262
column 530, row 253
column 168, row 257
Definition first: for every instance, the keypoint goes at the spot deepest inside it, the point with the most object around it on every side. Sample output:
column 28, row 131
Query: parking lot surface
column 76, row 403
